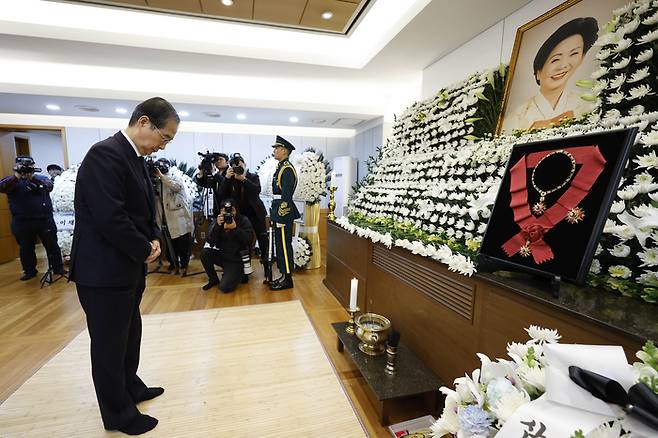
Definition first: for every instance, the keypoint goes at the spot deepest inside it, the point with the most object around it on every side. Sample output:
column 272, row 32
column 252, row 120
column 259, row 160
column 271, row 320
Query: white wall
column 365, row 146
column 45, row 148
column 487, row 50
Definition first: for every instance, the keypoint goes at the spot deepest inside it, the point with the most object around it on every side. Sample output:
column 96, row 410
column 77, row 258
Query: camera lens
column 246, row 262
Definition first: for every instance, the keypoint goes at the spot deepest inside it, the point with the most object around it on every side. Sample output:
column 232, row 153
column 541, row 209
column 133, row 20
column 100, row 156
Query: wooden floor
column 240, row 371
column 36, row 323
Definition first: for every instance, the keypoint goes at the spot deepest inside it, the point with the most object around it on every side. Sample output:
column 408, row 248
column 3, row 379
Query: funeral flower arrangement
column 62, row 197
column 265, row 171
column 431, row 187
column 481, row 403
column 302, row 251
column 312, row 170
column 190, row 188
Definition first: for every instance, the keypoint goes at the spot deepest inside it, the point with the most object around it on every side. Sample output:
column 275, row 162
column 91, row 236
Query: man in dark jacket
column 115, row 237
column 32, row 216
column 229, row 237
column 243, row 187
column 212, row 178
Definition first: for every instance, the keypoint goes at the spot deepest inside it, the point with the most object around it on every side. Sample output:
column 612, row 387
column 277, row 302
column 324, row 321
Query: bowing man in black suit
column 115, row 237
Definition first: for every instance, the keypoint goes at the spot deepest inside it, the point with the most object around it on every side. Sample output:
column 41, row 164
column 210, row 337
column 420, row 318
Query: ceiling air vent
column 212, row 114
column 87, row 108
column 345, row 122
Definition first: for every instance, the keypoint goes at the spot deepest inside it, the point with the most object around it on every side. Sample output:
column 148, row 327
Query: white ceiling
column 45, row 57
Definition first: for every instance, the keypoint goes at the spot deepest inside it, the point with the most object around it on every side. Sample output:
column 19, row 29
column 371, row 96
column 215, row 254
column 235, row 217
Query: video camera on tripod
column 207, row 161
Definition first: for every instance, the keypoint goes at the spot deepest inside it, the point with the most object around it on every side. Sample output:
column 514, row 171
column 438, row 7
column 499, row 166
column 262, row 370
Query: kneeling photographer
column 32, row 215
column 177, row 219
column 210, row 174
column 229, row 237
column 244, row 188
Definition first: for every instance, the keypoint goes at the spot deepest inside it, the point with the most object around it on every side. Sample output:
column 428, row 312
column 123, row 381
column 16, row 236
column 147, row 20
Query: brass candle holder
column 350, row 324
column 332, row 203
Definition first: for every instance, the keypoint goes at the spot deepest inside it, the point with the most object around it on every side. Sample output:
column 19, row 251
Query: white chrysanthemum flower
column 619, row 271
column 596, row 267
column 639, row 91
column 644, row 56
column 617, row 207
column 622, row 63
column 618, row 81
column 606, row 431
column 508, row 404
column 608, row 38
column 630, row 27
column 649, row 257
column 647, row 38
column 620, row 250
column 623, row 44
column 651, row 20
column 643, row 7
column 650, row 139
column 627, row 194
column 637, row 110
column 599, row 86
column 615, row 98
column 603, row 54
column 639, row 75
column 543, row 335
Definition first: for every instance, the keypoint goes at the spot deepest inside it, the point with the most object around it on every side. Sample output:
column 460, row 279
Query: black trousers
column 115, row 329
column 285, row 259
column 26, row 231
column 233, row 270
column 261, row 233
column 182, row 250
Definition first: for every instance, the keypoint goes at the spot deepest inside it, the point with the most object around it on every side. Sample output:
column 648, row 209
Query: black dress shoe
column 210, row 284
column 28, row 276
column 183, row 273
column 285, row 283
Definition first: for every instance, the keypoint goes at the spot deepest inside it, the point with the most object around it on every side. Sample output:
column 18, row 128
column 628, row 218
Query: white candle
column 354, row 285
column 333, row 179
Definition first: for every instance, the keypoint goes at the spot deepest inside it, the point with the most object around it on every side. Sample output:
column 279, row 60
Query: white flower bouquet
column 312, row 170
column 302, row 251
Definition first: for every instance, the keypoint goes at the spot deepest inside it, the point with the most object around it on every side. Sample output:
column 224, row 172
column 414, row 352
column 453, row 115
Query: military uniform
column 282, row 213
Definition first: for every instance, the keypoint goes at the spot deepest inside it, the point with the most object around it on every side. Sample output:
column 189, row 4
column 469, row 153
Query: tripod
column 202, row 203
column 49, row 277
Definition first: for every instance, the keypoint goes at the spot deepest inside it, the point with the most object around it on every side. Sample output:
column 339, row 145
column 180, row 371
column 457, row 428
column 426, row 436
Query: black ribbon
column 640, row 401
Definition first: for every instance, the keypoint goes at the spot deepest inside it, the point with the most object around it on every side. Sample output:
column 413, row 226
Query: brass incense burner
column 372, row 330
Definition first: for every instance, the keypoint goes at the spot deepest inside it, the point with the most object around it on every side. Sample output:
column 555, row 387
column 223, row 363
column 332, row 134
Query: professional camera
column 228, row 218
column 227, row 207
column 207, row 161
column 25, row 165
column 152, row 165
column 235, row 161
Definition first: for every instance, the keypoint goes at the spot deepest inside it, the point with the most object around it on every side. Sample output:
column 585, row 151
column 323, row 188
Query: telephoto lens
column 228, row 218
column 246, row 262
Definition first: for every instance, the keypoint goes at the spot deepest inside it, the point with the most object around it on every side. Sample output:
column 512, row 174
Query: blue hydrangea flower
column 474, row 420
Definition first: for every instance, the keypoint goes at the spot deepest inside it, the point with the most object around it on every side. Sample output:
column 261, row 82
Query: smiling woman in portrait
column 555, row 63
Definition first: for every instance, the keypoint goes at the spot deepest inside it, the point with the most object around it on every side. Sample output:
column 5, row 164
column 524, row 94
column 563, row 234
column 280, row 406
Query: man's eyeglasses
column 164, row 138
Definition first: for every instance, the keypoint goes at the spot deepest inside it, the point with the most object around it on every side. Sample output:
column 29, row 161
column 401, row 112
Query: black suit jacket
column 246, row 193
column 114, row 216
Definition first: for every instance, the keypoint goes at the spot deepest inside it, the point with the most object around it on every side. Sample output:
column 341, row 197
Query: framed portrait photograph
column 553, row 203
column 551, row 54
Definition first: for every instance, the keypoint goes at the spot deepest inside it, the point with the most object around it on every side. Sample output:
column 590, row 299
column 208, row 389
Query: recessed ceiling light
column 53, row 107
column 183, row 113
column 121, row 110
column 241, row 116
column 293, row 119
column 327, row 15
column 227, row 2
column 212, row 114
column 87, row 108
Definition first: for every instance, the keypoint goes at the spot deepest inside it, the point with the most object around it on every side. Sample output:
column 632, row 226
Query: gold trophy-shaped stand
column 332, row 204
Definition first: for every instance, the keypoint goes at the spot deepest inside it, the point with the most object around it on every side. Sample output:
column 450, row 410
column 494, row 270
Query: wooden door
column 8, row 245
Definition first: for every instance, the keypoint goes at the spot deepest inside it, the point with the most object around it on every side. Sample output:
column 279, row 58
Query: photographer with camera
column 211, row 173
column 32, row 215
column 244, row 188
column 229, row 238
column 173, row 213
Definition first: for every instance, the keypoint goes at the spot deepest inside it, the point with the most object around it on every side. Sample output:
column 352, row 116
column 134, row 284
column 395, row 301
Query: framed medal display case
column 553, row 202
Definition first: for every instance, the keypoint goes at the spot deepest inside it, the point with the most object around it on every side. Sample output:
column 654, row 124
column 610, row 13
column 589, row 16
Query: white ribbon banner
column 64, row 221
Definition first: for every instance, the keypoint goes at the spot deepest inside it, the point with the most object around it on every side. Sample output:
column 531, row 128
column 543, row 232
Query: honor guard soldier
column 283, row 211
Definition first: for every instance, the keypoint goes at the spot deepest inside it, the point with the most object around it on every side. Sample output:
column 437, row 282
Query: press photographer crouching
column 177, row 224
column 32, row 215
column 210, row 174
column 229, row 238
column 243, row 187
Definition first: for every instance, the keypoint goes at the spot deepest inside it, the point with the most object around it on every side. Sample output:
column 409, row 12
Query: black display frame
column 492, row 258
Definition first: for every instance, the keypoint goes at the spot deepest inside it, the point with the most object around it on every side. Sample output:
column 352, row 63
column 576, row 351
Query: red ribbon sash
column 534, row 228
